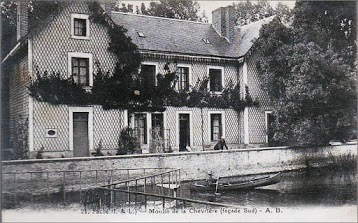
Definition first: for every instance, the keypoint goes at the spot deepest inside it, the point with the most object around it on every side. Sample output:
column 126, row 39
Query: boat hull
column 250, row 184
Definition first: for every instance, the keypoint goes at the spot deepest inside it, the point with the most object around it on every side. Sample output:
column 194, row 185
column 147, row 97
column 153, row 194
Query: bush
column 127, row 142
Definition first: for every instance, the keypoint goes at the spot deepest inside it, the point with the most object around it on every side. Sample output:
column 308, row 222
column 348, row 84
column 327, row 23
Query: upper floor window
column 183, row 78
column 80, row 68
column 216, row 79
column 79, row 26
column 149, row 72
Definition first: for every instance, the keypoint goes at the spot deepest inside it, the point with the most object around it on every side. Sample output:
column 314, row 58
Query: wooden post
column 96, row 178
column 15, row 182
column 145, row 182
column 161, row 178
column 48, row 187
column 64, row 186
column 81, row 186
column 169, row 183
column 31, row 189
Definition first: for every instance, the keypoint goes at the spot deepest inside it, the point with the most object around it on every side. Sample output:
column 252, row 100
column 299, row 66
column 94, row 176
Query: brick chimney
column 224, row 20
column 22, row 23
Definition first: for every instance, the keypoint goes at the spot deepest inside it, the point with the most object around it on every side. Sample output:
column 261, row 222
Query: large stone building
column 69, row 43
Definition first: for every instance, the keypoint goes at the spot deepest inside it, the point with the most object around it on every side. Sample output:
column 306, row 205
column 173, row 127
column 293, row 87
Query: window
column 216, row 127
column 216, row 79
column 79, row 26
column 206, row 41
column 80, row 68
column 183, row 78
column 157, row 122
column 149, row 73
column 140, row 127
column 140, row 34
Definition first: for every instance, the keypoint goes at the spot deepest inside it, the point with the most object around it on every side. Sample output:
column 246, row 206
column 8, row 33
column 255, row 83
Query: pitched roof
column 249, row 33
column 186, row 37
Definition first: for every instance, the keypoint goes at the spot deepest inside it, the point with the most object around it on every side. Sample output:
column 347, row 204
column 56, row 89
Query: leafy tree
column 248, row 12
column 8, row 27
column 309, row 73
column 177, row 9
column 124, row 8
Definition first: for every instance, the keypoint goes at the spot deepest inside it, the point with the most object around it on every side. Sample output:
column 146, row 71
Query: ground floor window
column 216, row 127
column 140, row 127
column 157, row 125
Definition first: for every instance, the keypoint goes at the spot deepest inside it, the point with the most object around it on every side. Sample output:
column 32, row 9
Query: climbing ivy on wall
column 126, row 87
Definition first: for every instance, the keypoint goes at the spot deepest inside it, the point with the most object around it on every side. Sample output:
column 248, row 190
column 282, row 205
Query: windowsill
column 80, row 37
column 87, row 88
column 216, row 92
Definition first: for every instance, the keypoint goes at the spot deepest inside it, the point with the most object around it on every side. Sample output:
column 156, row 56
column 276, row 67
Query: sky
column 209, row 6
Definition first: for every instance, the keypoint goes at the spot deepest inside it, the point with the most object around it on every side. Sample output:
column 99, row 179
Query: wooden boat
column 238, row 185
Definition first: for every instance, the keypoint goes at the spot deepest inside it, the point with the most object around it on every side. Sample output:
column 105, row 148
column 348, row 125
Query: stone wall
column 196, row 165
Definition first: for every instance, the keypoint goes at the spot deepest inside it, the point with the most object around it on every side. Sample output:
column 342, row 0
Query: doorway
column 80, row 134
column 184, row 131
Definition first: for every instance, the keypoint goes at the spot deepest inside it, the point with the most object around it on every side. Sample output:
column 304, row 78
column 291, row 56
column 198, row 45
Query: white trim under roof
column 239, row 59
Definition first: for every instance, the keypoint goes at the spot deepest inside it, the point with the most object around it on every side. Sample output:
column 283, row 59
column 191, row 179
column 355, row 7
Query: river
column 320, row 194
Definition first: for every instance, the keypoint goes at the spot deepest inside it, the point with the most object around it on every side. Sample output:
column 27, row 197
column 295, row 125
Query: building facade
column 70, row 44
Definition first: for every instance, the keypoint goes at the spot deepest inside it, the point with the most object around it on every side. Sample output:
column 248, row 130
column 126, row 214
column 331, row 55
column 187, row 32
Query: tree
column 177, row 9
column 309, row 73
column 124, row 8
column 248, row 12
column 8, row 27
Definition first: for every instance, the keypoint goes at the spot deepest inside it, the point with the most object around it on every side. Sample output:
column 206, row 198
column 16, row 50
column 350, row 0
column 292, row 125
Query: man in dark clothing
column 220, row 145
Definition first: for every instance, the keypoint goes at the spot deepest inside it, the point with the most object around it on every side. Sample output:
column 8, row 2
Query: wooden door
column 80, row 134
column 184, row 131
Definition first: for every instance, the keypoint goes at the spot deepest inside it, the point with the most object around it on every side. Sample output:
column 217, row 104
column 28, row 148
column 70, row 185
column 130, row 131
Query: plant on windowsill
column 99, row 148
column 39, row 154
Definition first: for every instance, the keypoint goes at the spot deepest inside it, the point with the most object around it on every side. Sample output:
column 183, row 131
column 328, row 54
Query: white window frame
column 149, row 124
column 89, row 110
column 177, row 113
column 222, row 78
column 266, row 123
column 222, row 113
column 80, row 16
column 189, row 75
column 156, row 69
column 88, row 56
